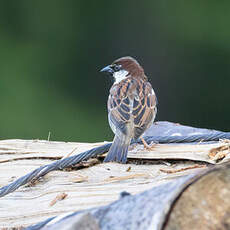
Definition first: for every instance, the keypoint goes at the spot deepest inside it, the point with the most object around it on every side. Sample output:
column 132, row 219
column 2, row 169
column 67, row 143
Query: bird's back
column 131, row 107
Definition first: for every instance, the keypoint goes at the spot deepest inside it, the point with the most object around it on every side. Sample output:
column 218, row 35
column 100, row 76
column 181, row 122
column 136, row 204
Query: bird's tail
column 118, row 151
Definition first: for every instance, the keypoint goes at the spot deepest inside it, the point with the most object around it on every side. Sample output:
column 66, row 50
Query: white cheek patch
column 120, row 75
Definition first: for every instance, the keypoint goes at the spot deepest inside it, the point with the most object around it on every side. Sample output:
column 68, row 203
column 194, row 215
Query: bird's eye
column 117, row 68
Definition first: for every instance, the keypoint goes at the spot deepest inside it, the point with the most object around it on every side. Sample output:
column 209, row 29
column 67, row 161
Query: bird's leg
column 147, row 146
column 132, row 147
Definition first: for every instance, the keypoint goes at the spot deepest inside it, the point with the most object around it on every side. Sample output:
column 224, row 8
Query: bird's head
column 124, row 67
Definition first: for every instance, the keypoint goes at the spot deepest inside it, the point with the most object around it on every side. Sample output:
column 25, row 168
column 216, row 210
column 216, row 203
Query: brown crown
column 132, row 66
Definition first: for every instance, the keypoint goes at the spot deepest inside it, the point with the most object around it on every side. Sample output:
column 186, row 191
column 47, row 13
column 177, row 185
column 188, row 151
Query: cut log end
column 203, row 205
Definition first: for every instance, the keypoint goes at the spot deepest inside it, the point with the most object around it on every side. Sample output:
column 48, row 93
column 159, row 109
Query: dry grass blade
column 59, row 197
column 182, row 169
column 69, row 154
column 120, row 178
column 79, row 179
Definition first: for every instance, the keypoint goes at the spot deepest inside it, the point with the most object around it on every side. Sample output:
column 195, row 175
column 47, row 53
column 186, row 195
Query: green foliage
column 51, row 52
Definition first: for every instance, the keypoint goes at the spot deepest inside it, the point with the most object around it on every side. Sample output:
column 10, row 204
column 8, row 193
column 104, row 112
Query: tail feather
column 118, row 151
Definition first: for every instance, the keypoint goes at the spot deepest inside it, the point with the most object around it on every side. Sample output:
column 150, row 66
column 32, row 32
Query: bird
column 132, row 106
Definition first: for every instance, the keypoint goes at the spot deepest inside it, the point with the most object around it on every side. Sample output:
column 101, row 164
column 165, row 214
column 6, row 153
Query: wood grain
column 98, row 185
column 203, row 205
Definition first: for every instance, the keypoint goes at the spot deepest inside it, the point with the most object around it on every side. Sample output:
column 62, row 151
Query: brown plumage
column 131, row 105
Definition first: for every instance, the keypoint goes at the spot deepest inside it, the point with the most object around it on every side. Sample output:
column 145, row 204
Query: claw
column 147, row 146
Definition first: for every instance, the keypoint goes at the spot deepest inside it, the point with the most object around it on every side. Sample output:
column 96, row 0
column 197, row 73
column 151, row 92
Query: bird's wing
column 119, row 106
column 144, row 108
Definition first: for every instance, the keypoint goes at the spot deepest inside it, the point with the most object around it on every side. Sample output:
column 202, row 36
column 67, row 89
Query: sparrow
column 131, row 106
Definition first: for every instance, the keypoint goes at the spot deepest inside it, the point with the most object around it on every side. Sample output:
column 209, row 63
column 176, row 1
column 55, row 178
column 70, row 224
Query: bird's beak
column 107, row 69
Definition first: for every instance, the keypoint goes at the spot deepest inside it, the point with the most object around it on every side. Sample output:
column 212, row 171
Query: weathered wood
column 83, row 221
column 103, row 185
column 143, row 211
column 198, row 201
column 89, row 187
column 12, row 150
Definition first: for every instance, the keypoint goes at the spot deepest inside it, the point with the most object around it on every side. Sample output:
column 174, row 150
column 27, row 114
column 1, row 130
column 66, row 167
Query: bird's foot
column 147, row 146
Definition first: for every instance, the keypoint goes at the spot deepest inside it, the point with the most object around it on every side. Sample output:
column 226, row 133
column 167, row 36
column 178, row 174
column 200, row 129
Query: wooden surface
column 196, row 201
column 88, row 187
column 203, row 205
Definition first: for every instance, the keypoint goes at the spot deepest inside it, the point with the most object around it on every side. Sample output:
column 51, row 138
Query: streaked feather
column 131, row 108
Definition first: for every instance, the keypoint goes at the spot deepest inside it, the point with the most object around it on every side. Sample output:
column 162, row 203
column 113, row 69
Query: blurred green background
column 51, row 53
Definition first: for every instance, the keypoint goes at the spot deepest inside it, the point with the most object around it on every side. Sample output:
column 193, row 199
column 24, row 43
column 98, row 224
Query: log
column 144, row 211
column 94, row 186
column 197, row 201
column 205, row 204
